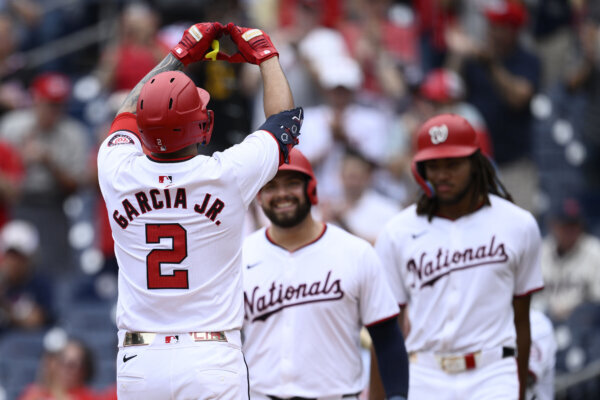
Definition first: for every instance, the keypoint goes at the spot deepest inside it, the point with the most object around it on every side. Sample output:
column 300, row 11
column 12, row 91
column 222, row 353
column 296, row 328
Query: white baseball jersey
column 542, row 357
column 459, row 276
column 177, row 227
column 304, row 311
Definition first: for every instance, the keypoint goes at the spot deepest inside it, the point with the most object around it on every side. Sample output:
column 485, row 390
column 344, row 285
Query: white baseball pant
column 495, row 381
column 174, row 366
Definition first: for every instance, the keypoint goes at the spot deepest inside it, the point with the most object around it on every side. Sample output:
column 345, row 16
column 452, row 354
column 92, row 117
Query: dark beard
column 289, row 221
column 458, row 198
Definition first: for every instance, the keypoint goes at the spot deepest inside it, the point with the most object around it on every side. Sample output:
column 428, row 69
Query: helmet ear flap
column 427, row 187
column 311, row 191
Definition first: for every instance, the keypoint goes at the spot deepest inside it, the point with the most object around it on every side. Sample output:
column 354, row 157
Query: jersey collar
column 168, row 161
column 302, row 246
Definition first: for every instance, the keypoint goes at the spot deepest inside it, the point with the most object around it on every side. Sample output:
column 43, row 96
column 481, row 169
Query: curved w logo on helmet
column 438, row 134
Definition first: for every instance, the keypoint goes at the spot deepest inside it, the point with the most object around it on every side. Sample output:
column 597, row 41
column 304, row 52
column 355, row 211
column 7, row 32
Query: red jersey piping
column 529, row 292
column 382, row 320
column 301, row 247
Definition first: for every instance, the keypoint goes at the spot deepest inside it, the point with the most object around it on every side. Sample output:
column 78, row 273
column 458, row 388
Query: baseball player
column 177, row 217
column 309, row 287
column 464, row 260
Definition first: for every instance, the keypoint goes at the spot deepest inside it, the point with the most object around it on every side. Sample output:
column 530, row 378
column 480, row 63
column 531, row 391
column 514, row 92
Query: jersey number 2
column 176, row 254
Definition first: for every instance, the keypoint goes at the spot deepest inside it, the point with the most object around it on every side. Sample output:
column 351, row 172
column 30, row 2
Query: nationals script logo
column 279, row 297
column 427, row 268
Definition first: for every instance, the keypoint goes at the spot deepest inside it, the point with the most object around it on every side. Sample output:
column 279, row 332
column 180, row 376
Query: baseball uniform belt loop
column 146, row 338
column 508, row 352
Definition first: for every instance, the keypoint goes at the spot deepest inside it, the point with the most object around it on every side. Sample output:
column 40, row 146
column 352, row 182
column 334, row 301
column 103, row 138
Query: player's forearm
column 392, row 358
column 523, row 330
column 523, row 349
column 277, row 93
column 169, row 63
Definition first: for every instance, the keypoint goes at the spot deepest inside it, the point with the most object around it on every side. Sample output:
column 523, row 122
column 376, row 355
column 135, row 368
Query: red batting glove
column 196, row 41
column 254, row 45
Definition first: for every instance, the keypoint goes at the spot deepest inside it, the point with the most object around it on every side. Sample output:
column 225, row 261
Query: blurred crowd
column 525, row 73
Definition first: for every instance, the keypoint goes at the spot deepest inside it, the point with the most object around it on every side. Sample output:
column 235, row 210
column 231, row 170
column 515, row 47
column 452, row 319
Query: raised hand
column 254, row 46
column 196, row 41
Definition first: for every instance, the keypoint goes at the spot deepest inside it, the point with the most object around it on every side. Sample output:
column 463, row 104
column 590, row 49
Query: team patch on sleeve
column 120, row 139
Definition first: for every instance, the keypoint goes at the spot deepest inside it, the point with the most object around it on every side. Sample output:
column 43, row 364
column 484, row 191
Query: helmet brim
column 447, row 151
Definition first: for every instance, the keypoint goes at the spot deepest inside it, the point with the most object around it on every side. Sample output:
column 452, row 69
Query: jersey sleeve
column 377, row 303
column 386, row 250
column 528, row 275
column 122, row 142
column 543, row 345
column 254, row 162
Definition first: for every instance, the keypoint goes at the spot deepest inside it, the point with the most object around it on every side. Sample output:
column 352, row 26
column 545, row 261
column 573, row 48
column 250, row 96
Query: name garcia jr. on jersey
column 427, row 268
column 155, row 199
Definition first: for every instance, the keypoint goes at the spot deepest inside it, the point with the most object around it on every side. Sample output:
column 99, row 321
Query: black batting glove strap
column 285, row 128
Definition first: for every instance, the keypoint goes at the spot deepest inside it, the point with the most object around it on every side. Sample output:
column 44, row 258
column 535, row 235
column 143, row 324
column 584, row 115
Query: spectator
column 54, row 149
column 444, row 91
column 303, row 43
column 583, row 79
column 570, row 263
column 47, row 370
column 552, row 30
column 433, row 19
column 73, row 370
column 382, row 45
column 136, row 51
column 25, row 296
column 12, row 93
column 501, row 77
column 342, row 123
column 327, row 12
column 362, row 211
column 11, row 175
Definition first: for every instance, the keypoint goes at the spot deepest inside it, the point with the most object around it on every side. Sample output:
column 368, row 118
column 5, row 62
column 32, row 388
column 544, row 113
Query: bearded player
column 309, row 287
column 463, row 261
column 177, row 218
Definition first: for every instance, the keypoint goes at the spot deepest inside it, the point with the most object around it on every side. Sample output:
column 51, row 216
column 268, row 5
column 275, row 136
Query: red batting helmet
column 299, row 163
column 443, row 136
column 172, row 114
